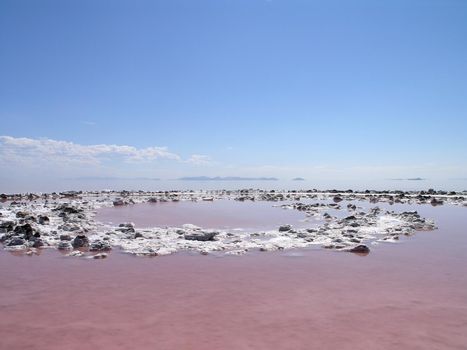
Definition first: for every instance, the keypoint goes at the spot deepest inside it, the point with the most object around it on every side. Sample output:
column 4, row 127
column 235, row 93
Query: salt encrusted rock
column 127, row 227
column 15, row 241
column 201, row 235
column 68, row 209
column 118, row 202
column 80, row 241
column 285, row 228
column 26, row 231
column 64, row 245
column 138, row 235
column 22, row 214
column 65, row 237
column 435, row 202
column 99, row 246
column 36, row 242
column 43, row 220
column 7, row 226
column 361, row 248
column 351, row 206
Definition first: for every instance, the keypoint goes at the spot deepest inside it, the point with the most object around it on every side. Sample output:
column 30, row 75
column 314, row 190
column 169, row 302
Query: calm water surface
column 411, row 295
column 223, row 214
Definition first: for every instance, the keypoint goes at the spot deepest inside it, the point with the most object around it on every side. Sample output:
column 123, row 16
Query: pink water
column 411, row 295
column 223, row 214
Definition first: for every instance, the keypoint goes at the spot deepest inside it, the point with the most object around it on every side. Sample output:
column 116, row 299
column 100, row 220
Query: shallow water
column 219, row 214
column 410, row 295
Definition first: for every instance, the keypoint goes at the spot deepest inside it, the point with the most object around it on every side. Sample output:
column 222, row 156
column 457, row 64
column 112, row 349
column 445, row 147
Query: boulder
column 80, row 241
column 201, row 235
column 68, row 209
column 127, row 227
column 118, row 202
column 7, row 226
column 26, row 231
column 43, row 220
column 15, row 241
column 337, row 199
column 99, row 246
column 361, row 248
column 285, row 228
column 64, row 245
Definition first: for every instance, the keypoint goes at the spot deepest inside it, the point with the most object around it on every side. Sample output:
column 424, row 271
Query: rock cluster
column 65, row 221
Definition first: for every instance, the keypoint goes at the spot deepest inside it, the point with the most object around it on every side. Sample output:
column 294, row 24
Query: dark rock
column 15, row 241
column 37, row 242
column 80, row 241
column 361, row 248
column 68, row 209
column 26, row 230
column 118, row 202
column 65, row 237
column 201, row 235
column 99, row 246
column 64, row 245
column 43, row 220
column 138, row 235
column 337, row 199
column 285, row 228
column 127, row 227
column 22, row 214
column 7, row 226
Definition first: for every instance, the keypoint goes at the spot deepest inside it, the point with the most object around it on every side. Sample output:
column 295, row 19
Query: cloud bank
column 28, row 151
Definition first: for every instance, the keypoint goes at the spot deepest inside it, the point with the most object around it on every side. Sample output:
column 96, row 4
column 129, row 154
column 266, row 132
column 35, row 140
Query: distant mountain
column 226, row 178
column 411, row 179
column 298, row 179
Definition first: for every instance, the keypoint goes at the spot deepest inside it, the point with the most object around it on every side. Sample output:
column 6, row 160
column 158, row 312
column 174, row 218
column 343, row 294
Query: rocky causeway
column 339, row 220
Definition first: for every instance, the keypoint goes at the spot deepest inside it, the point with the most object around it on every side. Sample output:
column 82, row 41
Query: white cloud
column 27, row 150
column 199, row 159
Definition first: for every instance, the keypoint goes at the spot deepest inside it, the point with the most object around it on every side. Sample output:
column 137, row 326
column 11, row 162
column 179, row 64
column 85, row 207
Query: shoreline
column 66, row 221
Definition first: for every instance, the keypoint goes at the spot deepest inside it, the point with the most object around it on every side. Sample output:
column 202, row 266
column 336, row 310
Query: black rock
column 7, row 226
column 337, row 199
column 361, row 248
column 285, row 228
column 68, row 209
column 26, row 230
column 43, row 220
column 64, row 245
column 99, row 246
column 80, row 241
column 201, row 235
column 15, row 241
column 37, row 242
column 118, row 202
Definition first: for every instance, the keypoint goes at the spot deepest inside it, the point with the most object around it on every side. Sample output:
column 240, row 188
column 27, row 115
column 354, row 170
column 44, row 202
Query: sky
column 332, row 91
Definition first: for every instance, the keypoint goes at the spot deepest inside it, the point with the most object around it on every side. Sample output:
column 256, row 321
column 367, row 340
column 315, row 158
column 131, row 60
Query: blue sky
column 318, row 89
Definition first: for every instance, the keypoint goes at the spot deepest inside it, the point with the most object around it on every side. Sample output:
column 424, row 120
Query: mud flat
column 90, row 223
